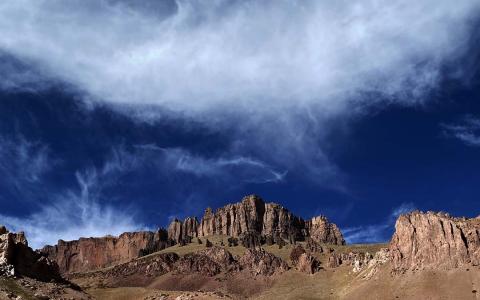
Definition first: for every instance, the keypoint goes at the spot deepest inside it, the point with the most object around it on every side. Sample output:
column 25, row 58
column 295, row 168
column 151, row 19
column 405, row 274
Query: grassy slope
column 339, row 283
column 292, row 284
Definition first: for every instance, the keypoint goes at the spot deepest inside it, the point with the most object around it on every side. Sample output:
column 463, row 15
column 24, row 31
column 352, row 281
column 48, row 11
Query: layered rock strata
column 434, row 241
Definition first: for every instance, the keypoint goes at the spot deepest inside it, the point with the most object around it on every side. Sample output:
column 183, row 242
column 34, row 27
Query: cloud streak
column 74, row 214
column 466, row 131
column 23, row 163
column 376, row 233
column 223, row 168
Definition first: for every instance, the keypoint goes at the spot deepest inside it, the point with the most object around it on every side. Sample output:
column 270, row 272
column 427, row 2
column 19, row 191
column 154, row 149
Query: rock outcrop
column 251, row 223
column 137, row 272
column 88, row 254
column 260, row 262
column 183, row 231
column 321, row 230
column 358, row 260
column 208, row 262
column 307, row 263
column 17, row 259
column 252, row 217
column 434, row 241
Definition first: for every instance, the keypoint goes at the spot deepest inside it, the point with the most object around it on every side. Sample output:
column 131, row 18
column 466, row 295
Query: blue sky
column 120, row 115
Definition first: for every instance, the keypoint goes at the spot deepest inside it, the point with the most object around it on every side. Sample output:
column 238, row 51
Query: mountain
column 253, row 216
column 252, row 222
column 252, row 249
column 88, row 254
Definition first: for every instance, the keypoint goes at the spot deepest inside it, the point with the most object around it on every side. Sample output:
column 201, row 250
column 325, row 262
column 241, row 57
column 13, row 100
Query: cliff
column 17, row 259
column 252, row 221
column 92, row 253
column 253, row 215
column 434, row 241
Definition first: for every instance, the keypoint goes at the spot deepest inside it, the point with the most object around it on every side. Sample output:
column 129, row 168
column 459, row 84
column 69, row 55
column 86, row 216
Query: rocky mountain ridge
column 279, row 244
column 88, row 254
column 434, row 241
column 252, row 221
column 253, row 216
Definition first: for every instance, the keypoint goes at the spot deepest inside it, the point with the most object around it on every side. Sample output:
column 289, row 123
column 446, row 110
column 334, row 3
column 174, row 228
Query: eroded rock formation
column 434, row 241
column 16, row 258
column 253, row 217
column 260, row 262
column 321, row 230
column 307, row 263
column 208, row 262
column 183, row 231
column 251, row 223
column 88, row 254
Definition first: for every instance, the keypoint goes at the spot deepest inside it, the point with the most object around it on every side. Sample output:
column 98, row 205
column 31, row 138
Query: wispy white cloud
column 237, row 168
column 23, row 162
column 252, row 55
column 378, row 232
column 278, row 72
column 467, row 131
column 74, row 214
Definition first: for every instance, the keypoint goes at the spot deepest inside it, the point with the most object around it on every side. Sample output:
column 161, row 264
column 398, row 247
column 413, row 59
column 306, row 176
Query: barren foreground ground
column 329, row 283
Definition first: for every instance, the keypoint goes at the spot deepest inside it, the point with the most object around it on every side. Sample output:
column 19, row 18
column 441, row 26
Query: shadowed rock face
column 253, row 216
column 88, row 254
column 434, row 241
column 16, row 258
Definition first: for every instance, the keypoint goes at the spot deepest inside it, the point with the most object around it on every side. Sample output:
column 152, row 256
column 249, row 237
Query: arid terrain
column 251, row 250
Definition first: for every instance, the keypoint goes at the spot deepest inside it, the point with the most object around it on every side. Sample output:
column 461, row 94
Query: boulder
column 308, row 264
column 295, row 254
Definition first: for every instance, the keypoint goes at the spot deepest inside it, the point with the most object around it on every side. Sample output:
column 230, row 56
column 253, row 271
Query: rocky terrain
column 435, row 241
column 268, row 221
column 93, row 253
column 26, row 274
column 251, row 249
column 251, row 222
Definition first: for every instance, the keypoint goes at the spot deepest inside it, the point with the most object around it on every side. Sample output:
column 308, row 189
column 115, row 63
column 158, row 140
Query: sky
column 120, row 115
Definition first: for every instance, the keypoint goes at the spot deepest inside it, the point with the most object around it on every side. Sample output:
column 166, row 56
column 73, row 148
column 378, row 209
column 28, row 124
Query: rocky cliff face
column 17, row 259
column 251, row 221
column 321, row 230
column 92, row 253
column 182, row 231
column 434, row 241
column 252, row 215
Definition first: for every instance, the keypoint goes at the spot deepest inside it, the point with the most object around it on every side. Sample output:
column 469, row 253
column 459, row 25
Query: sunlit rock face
column 92, row 253
column 252, row 222
column 434, row 241
column 253, row 215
